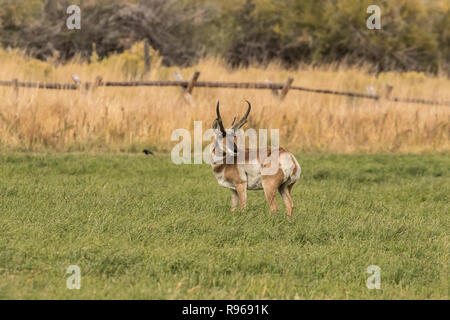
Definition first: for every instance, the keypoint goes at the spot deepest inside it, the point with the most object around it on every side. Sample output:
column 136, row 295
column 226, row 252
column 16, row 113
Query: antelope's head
column 225, row 139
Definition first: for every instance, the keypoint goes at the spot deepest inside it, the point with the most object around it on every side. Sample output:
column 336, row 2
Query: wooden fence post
column 192, row 82
column 76, row 79
column 184, row 91
column 178, row 75
column 15, row 82
column 286, row 87
column 146, row 56
column 387, row 94
column 274, row 91
column 371, row 90
column 97, row 82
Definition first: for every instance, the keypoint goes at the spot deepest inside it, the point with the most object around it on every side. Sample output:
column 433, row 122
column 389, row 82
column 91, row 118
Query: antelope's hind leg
column 234, row 200
column 285, row 191
column 270, row 190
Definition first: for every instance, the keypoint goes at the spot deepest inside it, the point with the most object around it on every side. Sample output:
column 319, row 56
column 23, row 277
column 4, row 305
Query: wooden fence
column 187, row 86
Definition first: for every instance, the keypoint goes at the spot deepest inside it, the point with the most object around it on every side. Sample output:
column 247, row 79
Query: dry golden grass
column 126, row 119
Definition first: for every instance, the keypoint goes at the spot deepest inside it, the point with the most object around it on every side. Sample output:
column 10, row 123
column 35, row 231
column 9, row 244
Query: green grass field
column 142, row 227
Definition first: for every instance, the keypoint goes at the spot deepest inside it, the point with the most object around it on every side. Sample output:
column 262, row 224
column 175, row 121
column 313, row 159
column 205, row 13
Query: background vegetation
column 132, row 240
column 128, row 119
column 415, row 34
column 320, row 43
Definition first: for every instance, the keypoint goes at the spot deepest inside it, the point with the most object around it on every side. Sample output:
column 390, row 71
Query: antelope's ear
column 216, row 128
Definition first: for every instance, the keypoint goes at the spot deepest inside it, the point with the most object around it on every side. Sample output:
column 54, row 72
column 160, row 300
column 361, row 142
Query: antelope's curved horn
column 219, row 119
column 244, row 118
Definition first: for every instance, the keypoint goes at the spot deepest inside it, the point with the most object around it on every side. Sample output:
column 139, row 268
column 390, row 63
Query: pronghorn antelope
column 249, row 173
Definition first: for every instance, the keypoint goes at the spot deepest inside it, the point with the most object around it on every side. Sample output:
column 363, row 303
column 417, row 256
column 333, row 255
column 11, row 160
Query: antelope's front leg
column 234, row 200
column 241, row 189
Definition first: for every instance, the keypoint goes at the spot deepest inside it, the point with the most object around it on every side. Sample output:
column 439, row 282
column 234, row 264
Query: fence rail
column 188, row 86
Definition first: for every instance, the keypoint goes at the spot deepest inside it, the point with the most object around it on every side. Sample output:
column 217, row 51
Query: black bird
column 147, row 152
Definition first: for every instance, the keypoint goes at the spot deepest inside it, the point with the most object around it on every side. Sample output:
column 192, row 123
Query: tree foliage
column 414, row 35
